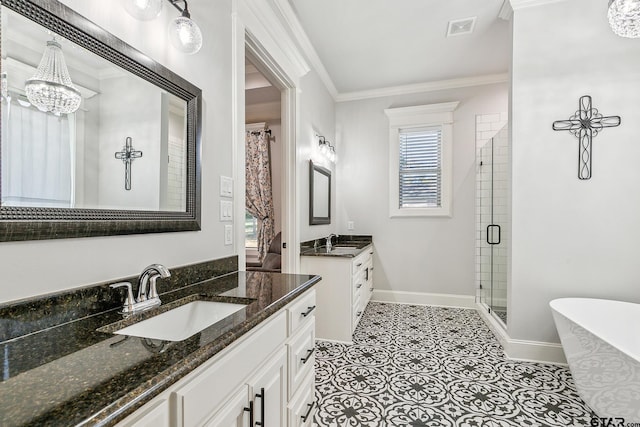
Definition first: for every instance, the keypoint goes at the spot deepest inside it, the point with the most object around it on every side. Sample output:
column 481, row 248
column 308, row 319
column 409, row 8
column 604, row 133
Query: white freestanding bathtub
column 601, row 340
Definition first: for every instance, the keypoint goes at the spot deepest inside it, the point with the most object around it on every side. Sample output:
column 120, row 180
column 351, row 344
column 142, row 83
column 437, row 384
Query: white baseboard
column 421, row 298
column 526, row 351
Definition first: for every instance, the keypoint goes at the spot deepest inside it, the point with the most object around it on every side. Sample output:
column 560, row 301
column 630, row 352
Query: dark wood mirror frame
column 313, row 218
column 23, row 223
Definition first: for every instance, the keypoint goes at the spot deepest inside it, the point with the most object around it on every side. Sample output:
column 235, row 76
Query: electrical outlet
column 226, row 210
column 350, row 225
column 228, row 235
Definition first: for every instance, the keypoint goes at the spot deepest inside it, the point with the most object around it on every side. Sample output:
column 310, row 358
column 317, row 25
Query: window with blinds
column 420, row 168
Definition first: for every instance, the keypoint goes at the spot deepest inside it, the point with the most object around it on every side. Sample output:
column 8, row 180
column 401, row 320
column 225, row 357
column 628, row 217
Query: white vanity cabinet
column 257, row 378
column 343, row 293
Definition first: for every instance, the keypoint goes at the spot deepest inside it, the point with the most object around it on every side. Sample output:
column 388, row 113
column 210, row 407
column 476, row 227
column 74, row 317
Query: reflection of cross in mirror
column 585, row 124
column 127, row 154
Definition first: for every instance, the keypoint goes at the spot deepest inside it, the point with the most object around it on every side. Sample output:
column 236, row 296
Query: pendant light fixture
column 51, row 89
column 144, row 10
column 624, row 17
column 184, row 33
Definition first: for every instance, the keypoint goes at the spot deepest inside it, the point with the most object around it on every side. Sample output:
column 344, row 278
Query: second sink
column 182, row 322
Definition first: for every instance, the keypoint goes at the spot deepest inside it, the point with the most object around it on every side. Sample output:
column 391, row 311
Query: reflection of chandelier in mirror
column 624, row 17
column 51, row 89
column 185, row 35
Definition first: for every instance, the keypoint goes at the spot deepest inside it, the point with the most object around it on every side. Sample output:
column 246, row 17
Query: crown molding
column 521, row 4
column 268, row 28
column 424, row 87
column 297, row 32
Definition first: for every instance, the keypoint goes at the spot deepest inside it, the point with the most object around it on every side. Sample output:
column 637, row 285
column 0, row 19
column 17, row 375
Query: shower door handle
column 490, row 233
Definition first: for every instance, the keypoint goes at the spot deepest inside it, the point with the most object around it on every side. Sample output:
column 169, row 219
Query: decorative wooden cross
column 127, row 154
column 585, row 125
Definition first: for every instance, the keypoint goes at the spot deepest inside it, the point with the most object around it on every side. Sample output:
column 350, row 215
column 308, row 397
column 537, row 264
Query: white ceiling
column 374, row 44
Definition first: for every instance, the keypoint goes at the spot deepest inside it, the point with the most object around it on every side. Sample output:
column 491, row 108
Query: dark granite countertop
column 69, row 373
column 342, row 247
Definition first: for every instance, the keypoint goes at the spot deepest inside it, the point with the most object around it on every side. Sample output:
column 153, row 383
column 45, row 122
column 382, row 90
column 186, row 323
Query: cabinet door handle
column 309, row 409
column 358, row 265
column 309, row 310
column 359, row 286
column 371, row 253
column 308, row 356
column 261, row 396
column 366, row 274
column 250, row 411
column 371, row 289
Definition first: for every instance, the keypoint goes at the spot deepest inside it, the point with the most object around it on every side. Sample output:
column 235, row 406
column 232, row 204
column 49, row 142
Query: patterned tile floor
column 437, row 367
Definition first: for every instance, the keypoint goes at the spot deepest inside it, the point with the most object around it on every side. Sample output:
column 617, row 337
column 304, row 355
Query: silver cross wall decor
column 585, row 125
column 127, row 155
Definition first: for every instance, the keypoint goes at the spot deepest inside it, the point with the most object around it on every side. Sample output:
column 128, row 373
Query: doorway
column 263, row 125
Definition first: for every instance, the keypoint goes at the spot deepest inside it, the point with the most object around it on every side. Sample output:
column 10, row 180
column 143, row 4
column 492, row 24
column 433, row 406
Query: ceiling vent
column 459, row 27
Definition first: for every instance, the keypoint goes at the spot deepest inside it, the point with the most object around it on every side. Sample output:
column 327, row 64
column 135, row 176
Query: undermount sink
column 182, row 322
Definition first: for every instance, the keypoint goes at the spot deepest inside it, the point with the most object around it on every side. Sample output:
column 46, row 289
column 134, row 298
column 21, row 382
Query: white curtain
column 38, row 157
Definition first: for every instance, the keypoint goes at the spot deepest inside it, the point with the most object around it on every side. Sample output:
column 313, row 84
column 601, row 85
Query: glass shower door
column 493, row 197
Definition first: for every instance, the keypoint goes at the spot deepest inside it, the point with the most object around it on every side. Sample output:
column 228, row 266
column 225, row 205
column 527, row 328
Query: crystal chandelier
column 51, row 89
column 624, row 17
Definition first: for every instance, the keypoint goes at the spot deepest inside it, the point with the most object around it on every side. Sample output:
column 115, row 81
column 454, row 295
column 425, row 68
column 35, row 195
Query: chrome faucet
column 151, row 274
column 329, row 244
column 147, row 292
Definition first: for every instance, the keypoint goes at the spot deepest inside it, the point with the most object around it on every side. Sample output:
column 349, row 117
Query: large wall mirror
column 114, row 150
column 319, row 195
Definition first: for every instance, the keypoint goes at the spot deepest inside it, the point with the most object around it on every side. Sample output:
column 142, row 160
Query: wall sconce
column 327, row 150
column 185, row 35
column 624, row 17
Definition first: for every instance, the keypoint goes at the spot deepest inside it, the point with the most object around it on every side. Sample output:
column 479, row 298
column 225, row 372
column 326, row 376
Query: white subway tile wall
column 176, row 182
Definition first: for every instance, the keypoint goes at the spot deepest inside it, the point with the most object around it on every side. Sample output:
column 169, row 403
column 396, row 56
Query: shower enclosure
column 492, row 220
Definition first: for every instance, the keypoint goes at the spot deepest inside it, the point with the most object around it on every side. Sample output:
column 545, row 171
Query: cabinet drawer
column 360, row 262
column 303, row 406
column 301, row 356
column 200, row 398
column 359, row 285
column 357, row 312
column 358, row 266
column 302, row 311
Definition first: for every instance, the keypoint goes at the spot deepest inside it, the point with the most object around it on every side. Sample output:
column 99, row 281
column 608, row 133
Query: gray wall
column 431, row 255
column 71, row 263
column 570, row 237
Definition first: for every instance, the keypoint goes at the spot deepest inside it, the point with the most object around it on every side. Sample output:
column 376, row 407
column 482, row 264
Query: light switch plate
column 226, row 186
column 226, row 210
column 350, row 225
column 228, row 234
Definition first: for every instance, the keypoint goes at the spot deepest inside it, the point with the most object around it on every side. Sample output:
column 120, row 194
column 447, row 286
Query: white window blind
column 420, row 168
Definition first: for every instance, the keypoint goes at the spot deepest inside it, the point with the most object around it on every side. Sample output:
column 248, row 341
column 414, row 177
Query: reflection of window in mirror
column 250, row 231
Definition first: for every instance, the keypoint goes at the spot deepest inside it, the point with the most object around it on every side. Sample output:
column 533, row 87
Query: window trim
column 421, row 116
